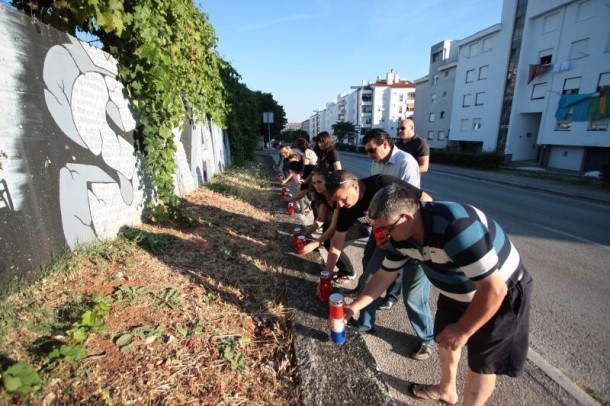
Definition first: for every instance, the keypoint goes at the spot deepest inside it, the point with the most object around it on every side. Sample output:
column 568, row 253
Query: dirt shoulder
column 163, row 314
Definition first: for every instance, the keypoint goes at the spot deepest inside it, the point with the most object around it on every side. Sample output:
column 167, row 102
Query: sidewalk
column 519, row 178
column 351, row 374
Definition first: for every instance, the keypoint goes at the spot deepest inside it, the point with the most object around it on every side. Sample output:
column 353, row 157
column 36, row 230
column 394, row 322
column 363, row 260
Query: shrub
column 605, row 170
column 481, row 160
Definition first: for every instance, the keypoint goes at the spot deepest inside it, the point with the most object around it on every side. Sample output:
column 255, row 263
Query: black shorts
column 500, row 345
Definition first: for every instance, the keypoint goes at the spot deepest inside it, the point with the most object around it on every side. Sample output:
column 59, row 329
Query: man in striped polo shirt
column 485, row 290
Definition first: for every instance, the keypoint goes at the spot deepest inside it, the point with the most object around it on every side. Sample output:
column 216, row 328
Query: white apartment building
column 434, row 96
column 382, row 104
column 479, row 87
column 560, row 112
column 535, row 86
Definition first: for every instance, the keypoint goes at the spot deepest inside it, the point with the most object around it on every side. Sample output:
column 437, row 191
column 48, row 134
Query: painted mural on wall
column 70, row 171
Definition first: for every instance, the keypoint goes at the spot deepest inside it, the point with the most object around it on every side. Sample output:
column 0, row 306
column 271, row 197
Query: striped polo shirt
column 461, row 246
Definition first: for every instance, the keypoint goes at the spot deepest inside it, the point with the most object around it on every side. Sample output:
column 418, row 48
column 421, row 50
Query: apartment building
column 560, row 112
column 382, row 104
column 434, row 95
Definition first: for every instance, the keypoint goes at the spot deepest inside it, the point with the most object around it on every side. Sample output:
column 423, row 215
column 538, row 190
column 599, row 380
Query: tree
column 342, row 129
column 290, row 136
column 266, row 103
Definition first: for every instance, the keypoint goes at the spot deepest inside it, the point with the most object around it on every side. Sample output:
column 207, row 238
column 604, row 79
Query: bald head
column 406, row 129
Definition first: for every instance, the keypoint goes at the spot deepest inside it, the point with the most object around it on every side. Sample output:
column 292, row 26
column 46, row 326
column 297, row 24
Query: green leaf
column 20, row 379
column 183, row 331
column 124, row 339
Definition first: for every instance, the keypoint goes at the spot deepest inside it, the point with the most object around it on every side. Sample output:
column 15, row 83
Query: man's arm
column 490, row 293
column 424, row 162
column 336, row 246
column 373, row 289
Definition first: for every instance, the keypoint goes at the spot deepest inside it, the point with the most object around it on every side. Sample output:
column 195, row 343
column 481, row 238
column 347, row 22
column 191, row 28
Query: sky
column 307, row 52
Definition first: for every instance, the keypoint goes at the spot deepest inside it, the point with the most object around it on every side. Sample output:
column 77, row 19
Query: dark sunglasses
column 402, row 128
column 372, row 150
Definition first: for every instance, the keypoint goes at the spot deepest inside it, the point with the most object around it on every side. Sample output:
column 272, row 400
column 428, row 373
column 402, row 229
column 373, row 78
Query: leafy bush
column 481, row 160
column 605, row 170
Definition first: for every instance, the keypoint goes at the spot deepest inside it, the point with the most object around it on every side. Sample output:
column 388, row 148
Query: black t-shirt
column 326, row 159
column 415, row 146
column 306, row 172
column 372, row 184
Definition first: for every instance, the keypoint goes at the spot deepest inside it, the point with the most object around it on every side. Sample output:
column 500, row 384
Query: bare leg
column 446, row 389
column 478, row 388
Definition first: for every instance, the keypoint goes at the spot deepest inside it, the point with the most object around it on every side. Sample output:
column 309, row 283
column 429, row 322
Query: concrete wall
column 72, row 174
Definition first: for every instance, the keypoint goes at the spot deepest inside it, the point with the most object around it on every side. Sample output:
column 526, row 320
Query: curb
column 327, row 374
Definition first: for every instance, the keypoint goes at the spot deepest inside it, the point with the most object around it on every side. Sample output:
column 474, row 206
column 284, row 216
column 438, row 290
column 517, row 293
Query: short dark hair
column 336, row 179
column 378, row 135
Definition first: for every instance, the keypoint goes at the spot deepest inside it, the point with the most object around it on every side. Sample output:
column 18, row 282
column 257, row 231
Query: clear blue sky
column 306, row 52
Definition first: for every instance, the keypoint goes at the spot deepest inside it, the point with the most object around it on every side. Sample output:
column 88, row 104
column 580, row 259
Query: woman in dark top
column 328, row 156
column 326, row 214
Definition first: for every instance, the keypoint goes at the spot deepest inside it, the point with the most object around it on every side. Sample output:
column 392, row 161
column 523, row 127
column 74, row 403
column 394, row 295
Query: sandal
column 426, row 394
column 342, row 277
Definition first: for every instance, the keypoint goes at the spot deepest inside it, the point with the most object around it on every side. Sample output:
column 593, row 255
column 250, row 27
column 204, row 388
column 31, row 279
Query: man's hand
column 348, row 313
column 452, row 337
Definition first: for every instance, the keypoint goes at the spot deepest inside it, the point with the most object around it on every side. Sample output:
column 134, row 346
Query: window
column 467, row 100
column 579, row 49
column 478, row 99
column 430, row 135
column 483, row 72
column 539, row 91
column 433, row 98
column 474, row 49
column 446, row 73
column 585, row 11
column 470, row 76
column 487, row 44
column 476, row 123
column 432, row 118
column 545, row 56
column 601, row 124
column 435, row 79
column 551, row 23
column 571, row 86
column 442, row 114
column 437, row 56
column 464, row 124
column 441, row 135
column 444, row 94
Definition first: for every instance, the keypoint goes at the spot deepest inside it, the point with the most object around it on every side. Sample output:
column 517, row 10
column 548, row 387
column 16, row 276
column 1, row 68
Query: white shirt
column 401, row 165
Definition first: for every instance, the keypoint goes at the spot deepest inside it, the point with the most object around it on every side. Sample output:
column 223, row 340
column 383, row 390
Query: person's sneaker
column 364, row 330
column 423, row 352
column 385, row 304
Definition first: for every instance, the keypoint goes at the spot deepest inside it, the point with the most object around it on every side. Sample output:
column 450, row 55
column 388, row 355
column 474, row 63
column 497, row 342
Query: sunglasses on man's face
column 372, row 150
column 402, row 128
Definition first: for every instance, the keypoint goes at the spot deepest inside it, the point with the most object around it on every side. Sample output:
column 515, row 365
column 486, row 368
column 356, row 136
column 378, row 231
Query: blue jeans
column 416, row 296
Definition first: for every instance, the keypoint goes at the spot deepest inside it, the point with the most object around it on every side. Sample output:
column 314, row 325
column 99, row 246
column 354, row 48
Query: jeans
column 416, row 296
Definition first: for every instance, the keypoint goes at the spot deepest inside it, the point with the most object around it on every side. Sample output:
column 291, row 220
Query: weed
column 71, row 354
column 168, row 298
column 192, row 329
column 230, row 348
column 226, row 254
column 129, row 294
column 20, row 379
column 209, row 298
column 156, row 244
column 128, row 340
column 91, row 322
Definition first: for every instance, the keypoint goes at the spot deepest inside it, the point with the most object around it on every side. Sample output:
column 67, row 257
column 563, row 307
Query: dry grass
column 203, row 304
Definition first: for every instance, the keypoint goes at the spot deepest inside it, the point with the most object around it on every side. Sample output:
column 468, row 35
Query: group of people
column 484, row 289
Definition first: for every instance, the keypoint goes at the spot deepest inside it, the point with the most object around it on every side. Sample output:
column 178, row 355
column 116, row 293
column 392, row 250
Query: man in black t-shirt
column 413, row 144
column 353, row 197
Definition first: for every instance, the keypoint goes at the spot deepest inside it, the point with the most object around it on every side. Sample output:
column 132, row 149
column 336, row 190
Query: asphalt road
column 565, row 245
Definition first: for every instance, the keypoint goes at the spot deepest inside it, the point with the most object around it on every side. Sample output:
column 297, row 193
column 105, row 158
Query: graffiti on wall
column 87, row 103
column 70, row 172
